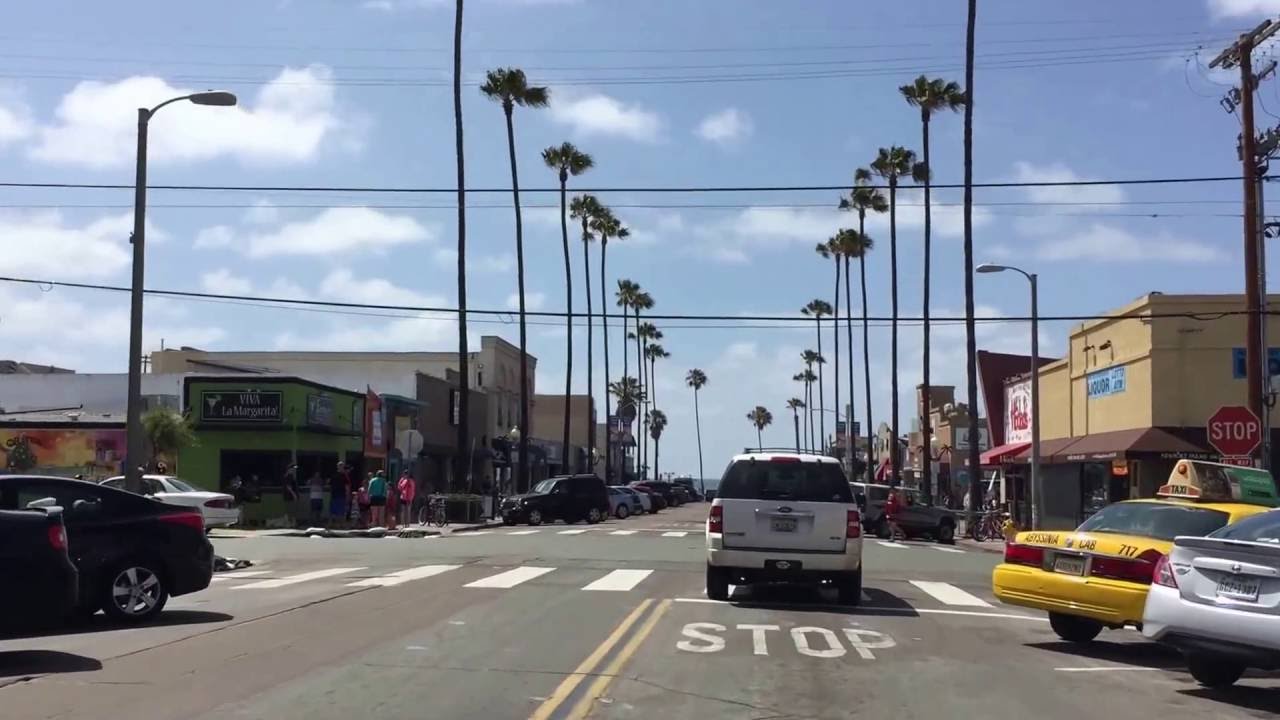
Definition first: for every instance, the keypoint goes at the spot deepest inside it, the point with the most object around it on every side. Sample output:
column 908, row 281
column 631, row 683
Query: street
column 606, row 621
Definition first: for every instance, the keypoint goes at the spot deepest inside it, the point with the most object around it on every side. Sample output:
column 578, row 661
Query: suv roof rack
column 791, row 450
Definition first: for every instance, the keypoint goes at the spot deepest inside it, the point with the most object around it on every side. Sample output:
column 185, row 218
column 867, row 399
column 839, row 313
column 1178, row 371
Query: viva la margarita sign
column 249, row 406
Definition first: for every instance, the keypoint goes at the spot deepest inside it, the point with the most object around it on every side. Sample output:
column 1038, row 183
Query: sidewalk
column 405, row 531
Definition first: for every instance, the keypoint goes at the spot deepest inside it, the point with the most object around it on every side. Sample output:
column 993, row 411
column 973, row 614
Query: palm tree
column 802, row 377
column 697, row 379
column 567, row 160
column 510, row 87
column 657, row 422
column 642, row 301
column 585, row 207
column 891, row 164
column 930, row 96
column 461, row 464
column 817, row 309
column 970, row 325
column 828, row 250
column 761, row 418
column 863, row 197
column 654, row 353
column 646, row 332
column 627, row 391
column 811, row 358
column 606, row 226
column 794, row 405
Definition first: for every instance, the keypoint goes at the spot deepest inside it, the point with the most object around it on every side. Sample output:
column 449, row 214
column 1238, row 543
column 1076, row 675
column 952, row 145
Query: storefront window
column 1094, row 490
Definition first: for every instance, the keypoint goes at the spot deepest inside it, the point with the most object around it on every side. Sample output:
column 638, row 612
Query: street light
column 1036, row 480
column 134, row 452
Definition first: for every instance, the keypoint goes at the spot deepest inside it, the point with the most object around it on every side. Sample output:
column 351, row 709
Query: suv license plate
column 1238, row 587
column 1068, row 565
column 782, row 524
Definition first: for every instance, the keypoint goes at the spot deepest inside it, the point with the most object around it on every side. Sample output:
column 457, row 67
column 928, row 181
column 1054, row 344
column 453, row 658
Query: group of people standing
column 373, row 502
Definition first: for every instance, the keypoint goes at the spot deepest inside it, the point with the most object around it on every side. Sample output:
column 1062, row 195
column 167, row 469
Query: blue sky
column 350, row 93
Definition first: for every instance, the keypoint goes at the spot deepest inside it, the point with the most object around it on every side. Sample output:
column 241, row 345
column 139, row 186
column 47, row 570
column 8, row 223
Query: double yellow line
column 589, row 666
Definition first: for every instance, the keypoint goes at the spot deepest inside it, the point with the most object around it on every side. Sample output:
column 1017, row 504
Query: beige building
column 547, row 427
column 948, row 447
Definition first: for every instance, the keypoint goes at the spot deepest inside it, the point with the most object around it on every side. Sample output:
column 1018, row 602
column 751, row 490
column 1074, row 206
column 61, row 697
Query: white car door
column 785, row 503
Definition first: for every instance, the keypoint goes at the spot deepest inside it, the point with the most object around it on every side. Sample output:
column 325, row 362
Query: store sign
column 1105, row 382
column 320, row 410
column 962, row 439
column 1238, row 364
column 375, row 443
column 217, row 406
column 1017, row 412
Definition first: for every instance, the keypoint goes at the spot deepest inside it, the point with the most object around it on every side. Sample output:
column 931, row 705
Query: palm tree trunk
column 835, row 341
column 656, row 443
column 759, row 440
column 866, row 353
column 591, row 386
column 568, row 322
column 639, row 405
column 848, row 336
column 795, row 418
column 970, row 326
column 644, row 416
column 896, row 477
column 820, row 445
column 926, row 423
column 464, row 427
column 697, row 423
column 604, row 335
column 522, row 482
column 808, row 399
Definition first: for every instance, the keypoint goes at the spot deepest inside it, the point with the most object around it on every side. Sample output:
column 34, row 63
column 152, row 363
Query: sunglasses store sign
column 240, row 407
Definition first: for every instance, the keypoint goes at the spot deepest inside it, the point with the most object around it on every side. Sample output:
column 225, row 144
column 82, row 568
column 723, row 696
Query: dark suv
column 569, row 497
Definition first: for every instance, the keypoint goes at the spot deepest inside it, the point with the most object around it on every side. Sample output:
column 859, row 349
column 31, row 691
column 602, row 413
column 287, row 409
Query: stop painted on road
column 808, row 640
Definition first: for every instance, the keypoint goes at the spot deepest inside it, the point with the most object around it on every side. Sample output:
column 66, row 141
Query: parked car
column 623, row 505
column 43, row 582
column 133, row 553
column 568, row 497
column 682, row 493
column 687, row 484
column 914, row 518
column 1217, row 599
column 218, row 509
column 636, row 503
column 784, row 518
column 663, row 488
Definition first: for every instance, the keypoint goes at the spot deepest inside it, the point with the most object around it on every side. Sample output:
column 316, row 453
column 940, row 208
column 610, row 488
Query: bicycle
column 989, row 526
column 433, row 512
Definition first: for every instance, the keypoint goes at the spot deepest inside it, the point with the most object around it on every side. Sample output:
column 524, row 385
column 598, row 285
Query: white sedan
column 1217, row 599
column 218, row 509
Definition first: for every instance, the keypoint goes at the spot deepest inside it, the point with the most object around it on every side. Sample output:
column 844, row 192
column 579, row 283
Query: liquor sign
column 248, row 406
column 1105, row 382
column 1234, row 431
column 1017, row 412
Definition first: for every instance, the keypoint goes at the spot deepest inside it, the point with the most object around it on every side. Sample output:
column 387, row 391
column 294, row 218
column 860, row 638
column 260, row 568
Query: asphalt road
column 605, row 621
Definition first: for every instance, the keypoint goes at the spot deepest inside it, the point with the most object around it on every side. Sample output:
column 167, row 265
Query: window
column 17, row 495
column 797, row 481
column 1163, row 521
column 1264, row 527
column 177, row 485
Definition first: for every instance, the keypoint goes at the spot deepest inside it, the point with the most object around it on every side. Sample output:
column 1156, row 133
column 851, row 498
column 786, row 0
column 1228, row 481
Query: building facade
column 547, row 426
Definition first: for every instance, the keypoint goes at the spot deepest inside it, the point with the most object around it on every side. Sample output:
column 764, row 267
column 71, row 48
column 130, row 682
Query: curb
column 477, row 526
column 996, row 549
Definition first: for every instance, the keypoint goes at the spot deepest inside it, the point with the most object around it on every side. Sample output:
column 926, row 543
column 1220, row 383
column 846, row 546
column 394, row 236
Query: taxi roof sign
column 1218, row 482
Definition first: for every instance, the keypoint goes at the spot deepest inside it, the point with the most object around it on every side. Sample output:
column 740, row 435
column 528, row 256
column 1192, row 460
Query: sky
column 664, row 93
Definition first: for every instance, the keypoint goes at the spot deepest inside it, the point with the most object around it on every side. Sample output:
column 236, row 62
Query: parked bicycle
column 990, row 526
column 433, row 512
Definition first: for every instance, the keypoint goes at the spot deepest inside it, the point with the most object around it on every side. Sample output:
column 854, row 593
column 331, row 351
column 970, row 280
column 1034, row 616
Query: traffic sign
column 1238, row 461
column 1234, row 431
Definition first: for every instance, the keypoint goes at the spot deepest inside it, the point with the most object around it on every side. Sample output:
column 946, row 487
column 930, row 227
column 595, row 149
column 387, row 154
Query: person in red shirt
column 892, row 506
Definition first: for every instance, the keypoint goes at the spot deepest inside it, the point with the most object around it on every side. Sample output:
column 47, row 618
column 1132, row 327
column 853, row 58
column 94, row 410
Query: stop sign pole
column 1234, row 431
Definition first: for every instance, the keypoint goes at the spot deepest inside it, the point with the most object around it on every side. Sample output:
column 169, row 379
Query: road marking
column 800, row 636
column 949, row 594
column 620, row 580
column 601, row 684
column 890, row 543
column 623, row 532
column 403, row 576
column 576, row 531
column 940, row 548
column 1106, row 669
column 510, row 578
column 675, row 533
column 971, row 613
column 587, row 666
column 472, row 532
column 295, row 579
column 238, row 575
column 523, row 532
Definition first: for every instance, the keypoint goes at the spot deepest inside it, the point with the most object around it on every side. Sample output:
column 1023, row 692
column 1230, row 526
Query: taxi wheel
column 1074, row 629
column 1213, row 672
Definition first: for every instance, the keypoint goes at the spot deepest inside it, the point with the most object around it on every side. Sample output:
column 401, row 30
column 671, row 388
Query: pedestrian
column 892, row 508
column 338, row 490
column 408, row 489
column 161, row 468
column 393, row 505
column 289, row 491
column 315, row 491
column 377, row 500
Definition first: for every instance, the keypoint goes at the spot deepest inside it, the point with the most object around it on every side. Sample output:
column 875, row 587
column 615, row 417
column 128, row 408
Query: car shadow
column 19, row 663
column 101, row 623
column 1136, row 654
column 1242, row 696
column 809, row 598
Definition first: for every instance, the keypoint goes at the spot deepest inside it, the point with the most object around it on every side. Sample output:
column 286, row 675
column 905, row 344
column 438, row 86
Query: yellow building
column 1132, row 395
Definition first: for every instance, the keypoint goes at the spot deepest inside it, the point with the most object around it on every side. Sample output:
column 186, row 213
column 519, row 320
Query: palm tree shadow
column 25, row 663
column 1262, row 699
column 102, row 623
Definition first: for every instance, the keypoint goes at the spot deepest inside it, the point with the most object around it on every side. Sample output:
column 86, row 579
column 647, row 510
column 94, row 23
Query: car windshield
column 1263, row 527
column 1163, row 521
column 179, row 485
column 544, row 486
column 799, row 481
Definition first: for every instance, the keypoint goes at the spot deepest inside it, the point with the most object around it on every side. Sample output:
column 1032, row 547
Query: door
column 587, row 493
column 784, row 504
column 560, row 501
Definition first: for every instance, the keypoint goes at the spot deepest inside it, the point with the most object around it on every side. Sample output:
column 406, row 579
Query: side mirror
column 42, row 503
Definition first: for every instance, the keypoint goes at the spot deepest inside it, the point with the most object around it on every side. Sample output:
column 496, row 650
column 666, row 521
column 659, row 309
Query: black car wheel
column 717, row 583
column 535, row 517
column 1074, row 629
column 623, row 511
column 508, row 520
column 1214, row 672
column 849, row 588
column 947, row 532
column 134, row 592
column 594, row 515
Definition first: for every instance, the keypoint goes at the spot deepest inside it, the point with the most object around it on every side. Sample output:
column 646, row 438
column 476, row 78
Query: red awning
column 998, row 454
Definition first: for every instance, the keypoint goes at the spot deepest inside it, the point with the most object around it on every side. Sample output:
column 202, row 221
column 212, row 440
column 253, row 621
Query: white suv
column 784, row 517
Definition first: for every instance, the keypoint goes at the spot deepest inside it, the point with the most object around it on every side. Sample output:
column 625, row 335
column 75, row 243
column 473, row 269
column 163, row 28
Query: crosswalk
column 667, row 533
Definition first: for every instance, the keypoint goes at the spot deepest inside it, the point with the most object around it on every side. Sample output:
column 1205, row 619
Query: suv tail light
column 1163, row 573
column 853, row 524
column 715, row 521
column 1023, row 554
column 1140, row 569
column 193, row 520
column 221, row 503
column 58, row 536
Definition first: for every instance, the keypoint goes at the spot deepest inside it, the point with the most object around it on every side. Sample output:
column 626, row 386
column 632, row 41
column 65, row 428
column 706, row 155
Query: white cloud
column 263, row 212
column 533, row 301
column 600, row 115
column 225, row 282
column 332, row 231
column 1220, row 9
column 15, row 120
column 726, row 127
column 447, row 257
column 1057, row 172
column 44, row 245
column 1119, row 245
column 288, row 122
column 218, row 236
column 343, row 285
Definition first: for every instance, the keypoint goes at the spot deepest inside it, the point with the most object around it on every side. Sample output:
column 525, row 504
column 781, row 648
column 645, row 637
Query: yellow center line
column 567, row 686
column 597, row 688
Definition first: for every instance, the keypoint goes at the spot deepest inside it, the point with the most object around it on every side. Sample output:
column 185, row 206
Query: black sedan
column 35, row 564
column 132, row 553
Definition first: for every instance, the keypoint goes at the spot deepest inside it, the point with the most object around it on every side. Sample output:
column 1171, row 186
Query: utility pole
column 1240, row 54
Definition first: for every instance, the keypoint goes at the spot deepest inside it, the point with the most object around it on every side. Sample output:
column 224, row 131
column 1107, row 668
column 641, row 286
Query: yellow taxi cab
column 1098, row 575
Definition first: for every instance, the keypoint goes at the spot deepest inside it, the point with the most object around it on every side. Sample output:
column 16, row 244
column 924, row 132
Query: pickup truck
column 42, row 580
column 916, row 519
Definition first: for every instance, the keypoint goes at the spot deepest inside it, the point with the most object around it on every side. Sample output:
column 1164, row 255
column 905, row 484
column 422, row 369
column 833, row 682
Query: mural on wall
column 94, row 453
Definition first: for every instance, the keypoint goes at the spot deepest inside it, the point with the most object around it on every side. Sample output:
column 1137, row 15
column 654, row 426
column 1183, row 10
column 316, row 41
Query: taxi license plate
column 1068, row 565
column 782, row 524
column 1238, row 587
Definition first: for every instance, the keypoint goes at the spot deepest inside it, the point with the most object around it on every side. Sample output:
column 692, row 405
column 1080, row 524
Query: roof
column 17, row 367
column 62, row 420
column 770, row 454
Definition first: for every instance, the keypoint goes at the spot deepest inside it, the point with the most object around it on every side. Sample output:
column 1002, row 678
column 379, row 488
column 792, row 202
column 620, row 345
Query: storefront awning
column 1122, row 444
column 1048, row 449
column 999, row 454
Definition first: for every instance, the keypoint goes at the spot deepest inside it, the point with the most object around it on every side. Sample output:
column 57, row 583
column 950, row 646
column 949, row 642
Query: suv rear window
column 796, row 481
column 1163, row 521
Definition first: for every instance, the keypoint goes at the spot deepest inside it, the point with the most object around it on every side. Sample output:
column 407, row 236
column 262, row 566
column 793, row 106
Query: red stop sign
column 1234, row 430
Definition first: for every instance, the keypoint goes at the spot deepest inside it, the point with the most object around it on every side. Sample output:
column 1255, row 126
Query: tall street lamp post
column 1037, row 487
column 134, row 452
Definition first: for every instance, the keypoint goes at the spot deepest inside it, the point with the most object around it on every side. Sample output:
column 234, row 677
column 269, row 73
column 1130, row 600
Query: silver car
column 1217, row 599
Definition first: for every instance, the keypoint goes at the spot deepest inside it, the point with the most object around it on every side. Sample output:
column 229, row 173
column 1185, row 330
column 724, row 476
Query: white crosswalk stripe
column 575, row 531
column 524, row 532
column 623, row 532
column 299, row 578
column 941, row 548
column 477, row 532
column 404, row 576
column 510, row 578
column 619, row 580
column 889, row 543
column 675, row 533
column 240, row 574
column 949, row 594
